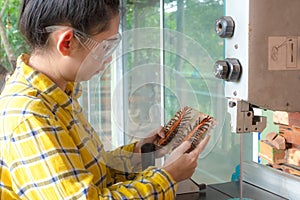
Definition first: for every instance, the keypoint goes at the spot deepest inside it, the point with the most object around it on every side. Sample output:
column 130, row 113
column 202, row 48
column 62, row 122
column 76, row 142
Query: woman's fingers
column 196, row 152
column 178, row 152
column 182, row 165
column 181, row 149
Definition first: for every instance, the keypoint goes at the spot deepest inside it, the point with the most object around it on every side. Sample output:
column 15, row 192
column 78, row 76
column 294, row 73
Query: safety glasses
column 100, row 51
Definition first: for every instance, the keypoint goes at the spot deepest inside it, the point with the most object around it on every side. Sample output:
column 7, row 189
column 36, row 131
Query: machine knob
column 229, row 69
column 225, row 27
column 221, row 69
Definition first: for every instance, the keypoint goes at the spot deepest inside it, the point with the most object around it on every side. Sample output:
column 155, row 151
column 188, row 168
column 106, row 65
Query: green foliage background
column 196, row 25
column 16, row 41
column 195, row 19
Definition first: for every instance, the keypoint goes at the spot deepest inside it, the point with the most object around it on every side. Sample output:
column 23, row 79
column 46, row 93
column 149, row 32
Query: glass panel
column 124, row 102
column 141, row 65
column 191, row 49
column 96, row 103
column 159, row 70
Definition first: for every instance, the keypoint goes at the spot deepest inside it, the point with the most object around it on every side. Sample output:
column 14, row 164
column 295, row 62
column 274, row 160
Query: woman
column 48, row 148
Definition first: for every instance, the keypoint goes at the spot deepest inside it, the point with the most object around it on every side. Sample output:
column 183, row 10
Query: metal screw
column 232, row 104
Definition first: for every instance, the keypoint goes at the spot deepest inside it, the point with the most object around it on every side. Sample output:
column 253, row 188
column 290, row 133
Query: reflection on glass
column 166, row 62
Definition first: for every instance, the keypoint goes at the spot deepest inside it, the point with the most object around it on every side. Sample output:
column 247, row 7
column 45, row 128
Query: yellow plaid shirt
column 48, row 150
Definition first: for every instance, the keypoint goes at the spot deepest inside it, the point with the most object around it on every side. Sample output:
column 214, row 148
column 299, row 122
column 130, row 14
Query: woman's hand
column 153, row 136
column 181, row 165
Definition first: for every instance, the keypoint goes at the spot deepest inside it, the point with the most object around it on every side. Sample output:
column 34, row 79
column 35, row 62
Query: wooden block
column 292, row 136
column 271, row 136
column 295, row 146
column 270, row 153
column 293, row 156
column 280, row 117
column 276, row 140
column 294, row 119
column 295, row 129
column 287, row 168
column 282, row 128
column 279, row 142
column 287, row 118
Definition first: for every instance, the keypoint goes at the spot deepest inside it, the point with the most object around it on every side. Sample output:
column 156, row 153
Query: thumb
column 182, row 148
column 197, row 151
column 179, row 151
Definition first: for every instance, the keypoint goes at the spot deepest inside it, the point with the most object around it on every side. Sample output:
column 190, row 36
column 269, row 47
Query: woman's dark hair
column 88, row 16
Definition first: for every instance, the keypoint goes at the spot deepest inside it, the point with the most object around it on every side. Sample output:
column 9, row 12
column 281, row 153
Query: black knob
column 225, row 27
column 221, row 69
column 229, row 69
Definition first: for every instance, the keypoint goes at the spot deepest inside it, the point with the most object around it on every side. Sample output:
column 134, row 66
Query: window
column 165, row 62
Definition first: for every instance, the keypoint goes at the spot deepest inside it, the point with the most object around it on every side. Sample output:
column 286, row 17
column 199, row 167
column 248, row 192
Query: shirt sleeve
column 45, row 163
column 124, row 164
column 153, row 183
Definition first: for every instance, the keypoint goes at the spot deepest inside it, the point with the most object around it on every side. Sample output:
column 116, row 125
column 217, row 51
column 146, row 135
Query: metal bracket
column 244, row 119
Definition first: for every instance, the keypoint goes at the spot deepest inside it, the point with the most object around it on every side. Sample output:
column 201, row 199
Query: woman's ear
column 64, row 42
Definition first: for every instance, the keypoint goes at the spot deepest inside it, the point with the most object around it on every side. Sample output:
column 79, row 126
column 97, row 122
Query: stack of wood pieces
column 282, row 150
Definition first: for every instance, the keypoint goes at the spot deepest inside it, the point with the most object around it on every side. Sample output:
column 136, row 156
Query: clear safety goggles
column 100, row 51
